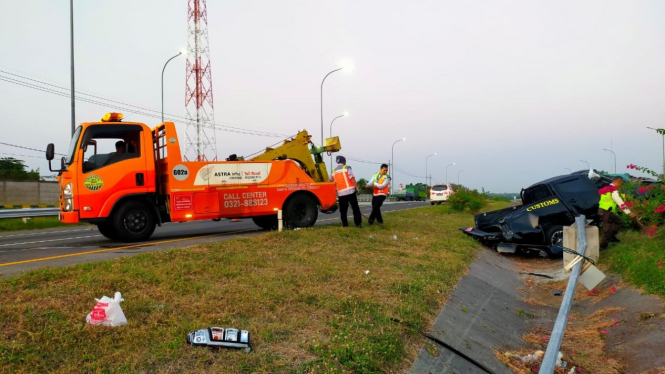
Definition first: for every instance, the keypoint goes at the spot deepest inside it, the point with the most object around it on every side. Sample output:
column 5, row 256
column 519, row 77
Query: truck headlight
column 68, row 196
column 67, row 191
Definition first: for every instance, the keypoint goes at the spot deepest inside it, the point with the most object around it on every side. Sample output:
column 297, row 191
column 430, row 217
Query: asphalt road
column 26, row 250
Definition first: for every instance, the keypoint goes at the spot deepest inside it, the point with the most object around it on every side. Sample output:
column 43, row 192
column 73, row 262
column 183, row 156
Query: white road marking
column 46, row 241
column 43, row 233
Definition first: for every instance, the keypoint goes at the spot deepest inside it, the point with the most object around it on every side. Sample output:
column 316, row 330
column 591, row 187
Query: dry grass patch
column 582, row 347
column 303, row 295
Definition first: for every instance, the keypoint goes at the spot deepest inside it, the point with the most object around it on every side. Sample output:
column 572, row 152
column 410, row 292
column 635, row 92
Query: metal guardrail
column 27, row 213
column 553, row 347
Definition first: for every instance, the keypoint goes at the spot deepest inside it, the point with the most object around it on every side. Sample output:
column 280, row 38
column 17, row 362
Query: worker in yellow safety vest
column 380, row 182
column 346, row 191
column 609, row 204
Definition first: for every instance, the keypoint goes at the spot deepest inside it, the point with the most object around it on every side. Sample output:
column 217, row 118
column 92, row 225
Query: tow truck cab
column 127, row 178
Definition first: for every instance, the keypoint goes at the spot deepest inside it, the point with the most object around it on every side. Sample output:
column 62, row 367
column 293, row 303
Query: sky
column 512, row 92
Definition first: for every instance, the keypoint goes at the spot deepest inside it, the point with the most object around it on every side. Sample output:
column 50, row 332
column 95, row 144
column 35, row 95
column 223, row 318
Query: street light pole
column 587, row 165
column 392, row 168
column 324, row 79
column 458, row 183
column 447, row 172
column 433, row 154
column 615, row 159
column 71, row 42
column 331, row 123
column 662, row 132
column 164, row 68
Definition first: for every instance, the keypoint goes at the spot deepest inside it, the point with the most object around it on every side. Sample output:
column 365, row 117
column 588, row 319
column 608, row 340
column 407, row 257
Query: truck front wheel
column 133, row 222
column 106, row 229
column 300, row 211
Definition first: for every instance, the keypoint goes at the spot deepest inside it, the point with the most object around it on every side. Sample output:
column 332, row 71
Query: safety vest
column 342, row 180
column 378, row 179
column 606, row 201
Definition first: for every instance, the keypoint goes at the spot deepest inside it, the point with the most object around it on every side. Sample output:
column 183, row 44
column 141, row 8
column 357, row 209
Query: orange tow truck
column 126, row 178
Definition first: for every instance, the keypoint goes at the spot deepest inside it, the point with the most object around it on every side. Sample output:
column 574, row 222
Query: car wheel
column 266, row 222
column 554, row 236
column 134, row 221
column 300, row 211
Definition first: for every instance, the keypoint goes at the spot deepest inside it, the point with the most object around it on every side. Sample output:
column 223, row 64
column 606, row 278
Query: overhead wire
column 14, row 154
column 141, row 110
column 361, row 160
column 28, row 148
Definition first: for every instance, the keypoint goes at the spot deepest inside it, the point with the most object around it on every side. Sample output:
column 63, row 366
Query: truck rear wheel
column 266, row 222
column 300, row 211
column 133, row 222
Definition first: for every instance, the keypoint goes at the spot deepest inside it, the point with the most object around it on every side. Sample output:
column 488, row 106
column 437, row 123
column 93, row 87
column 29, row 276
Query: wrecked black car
column 537, row 224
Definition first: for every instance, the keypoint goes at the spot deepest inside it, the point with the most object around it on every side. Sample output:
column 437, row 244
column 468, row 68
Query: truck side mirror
column 50, row 151
column 62, row 164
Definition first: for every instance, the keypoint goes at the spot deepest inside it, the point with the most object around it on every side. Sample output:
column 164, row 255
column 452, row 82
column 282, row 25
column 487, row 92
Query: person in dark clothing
column 346, row 191
column 380, row 182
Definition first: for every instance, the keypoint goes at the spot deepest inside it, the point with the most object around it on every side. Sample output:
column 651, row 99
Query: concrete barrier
column 28, row 193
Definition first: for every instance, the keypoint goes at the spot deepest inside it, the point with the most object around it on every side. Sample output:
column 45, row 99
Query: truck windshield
column 440, row 188
column 72, row 146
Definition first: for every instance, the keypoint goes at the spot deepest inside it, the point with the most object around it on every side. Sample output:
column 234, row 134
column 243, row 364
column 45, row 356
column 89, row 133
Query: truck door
column 113, row 165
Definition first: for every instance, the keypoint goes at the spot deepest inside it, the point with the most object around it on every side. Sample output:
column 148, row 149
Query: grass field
column 304, row 296
column 14, row 224
column 640, row 259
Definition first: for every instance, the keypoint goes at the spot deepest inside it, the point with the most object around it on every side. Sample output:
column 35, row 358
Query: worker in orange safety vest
column 346, row 191
column 380, row 182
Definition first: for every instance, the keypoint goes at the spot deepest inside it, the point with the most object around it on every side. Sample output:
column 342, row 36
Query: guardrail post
column 280, row 224
column 552, row 352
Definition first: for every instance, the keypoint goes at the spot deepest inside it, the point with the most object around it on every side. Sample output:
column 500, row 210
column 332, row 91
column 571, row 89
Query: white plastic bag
column 107, row 312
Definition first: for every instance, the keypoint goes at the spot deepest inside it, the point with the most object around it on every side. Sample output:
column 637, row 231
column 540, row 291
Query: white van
column 440, row 193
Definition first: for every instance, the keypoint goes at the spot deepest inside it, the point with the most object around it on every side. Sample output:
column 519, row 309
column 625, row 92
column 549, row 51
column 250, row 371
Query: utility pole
column 71, row 46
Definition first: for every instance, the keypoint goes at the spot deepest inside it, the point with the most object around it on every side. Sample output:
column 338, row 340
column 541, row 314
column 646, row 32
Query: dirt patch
column 611, row 329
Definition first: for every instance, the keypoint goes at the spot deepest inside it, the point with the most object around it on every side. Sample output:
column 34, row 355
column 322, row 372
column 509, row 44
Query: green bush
column 471, row 200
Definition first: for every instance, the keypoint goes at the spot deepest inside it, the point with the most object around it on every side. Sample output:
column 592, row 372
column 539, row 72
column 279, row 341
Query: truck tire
column 134, row 221
column 554, row 236
column 106, row 229
column 300, row 211
column 266, row 222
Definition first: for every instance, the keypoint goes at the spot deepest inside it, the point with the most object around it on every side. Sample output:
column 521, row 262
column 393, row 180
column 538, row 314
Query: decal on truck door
column 93, row 182
column 225, row 174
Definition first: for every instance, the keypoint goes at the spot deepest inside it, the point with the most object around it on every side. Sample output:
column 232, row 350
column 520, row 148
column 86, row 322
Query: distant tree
column 458, row 187
column 14, row 169
column 362, row 182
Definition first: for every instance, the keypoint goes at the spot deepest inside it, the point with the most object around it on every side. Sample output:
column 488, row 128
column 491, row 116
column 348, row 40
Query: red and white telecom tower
column 200, row 143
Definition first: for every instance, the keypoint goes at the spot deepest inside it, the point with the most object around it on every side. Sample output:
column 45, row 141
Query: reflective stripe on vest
column 342, row 180
column 378, row 180
column 607, row 202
